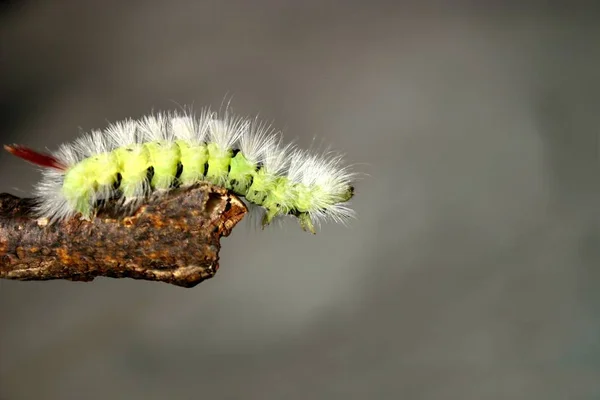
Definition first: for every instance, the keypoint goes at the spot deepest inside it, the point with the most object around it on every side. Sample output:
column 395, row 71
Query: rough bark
column 172, row 238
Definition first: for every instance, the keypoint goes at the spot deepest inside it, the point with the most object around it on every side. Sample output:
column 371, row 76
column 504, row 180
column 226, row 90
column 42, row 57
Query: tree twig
column 173, row 238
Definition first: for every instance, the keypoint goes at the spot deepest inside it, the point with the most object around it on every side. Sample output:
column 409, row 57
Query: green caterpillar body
column 131, row 159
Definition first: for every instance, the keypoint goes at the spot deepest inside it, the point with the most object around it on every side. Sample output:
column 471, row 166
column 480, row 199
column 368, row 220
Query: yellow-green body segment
column 133, row 170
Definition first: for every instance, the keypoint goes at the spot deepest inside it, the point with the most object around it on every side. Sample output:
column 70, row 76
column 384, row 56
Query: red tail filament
column 34, row 157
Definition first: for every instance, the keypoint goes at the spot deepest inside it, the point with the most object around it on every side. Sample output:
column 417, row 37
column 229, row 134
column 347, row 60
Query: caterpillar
column 132, row 159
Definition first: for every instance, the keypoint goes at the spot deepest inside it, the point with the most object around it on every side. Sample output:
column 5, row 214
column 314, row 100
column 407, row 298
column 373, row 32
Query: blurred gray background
column 472, row 271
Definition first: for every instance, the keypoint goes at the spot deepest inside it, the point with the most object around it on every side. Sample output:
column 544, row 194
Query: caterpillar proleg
column 132, row 159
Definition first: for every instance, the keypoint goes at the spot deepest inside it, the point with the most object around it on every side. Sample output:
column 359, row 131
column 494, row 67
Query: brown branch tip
column 172, row 238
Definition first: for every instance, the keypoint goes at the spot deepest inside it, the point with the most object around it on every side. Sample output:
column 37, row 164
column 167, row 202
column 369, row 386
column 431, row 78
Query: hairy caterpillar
column 131, row 159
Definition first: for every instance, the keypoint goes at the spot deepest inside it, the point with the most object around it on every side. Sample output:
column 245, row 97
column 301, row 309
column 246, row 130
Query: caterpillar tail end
column 34, row 157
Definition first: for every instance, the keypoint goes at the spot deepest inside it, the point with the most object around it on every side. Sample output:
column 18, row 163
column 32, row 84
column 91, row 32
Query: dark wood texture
column 172, row 238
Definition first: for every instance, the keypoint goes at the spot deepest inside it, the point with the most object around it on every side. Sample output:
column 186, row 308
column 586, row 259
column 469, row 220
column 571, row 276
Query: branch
column 173, row 238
